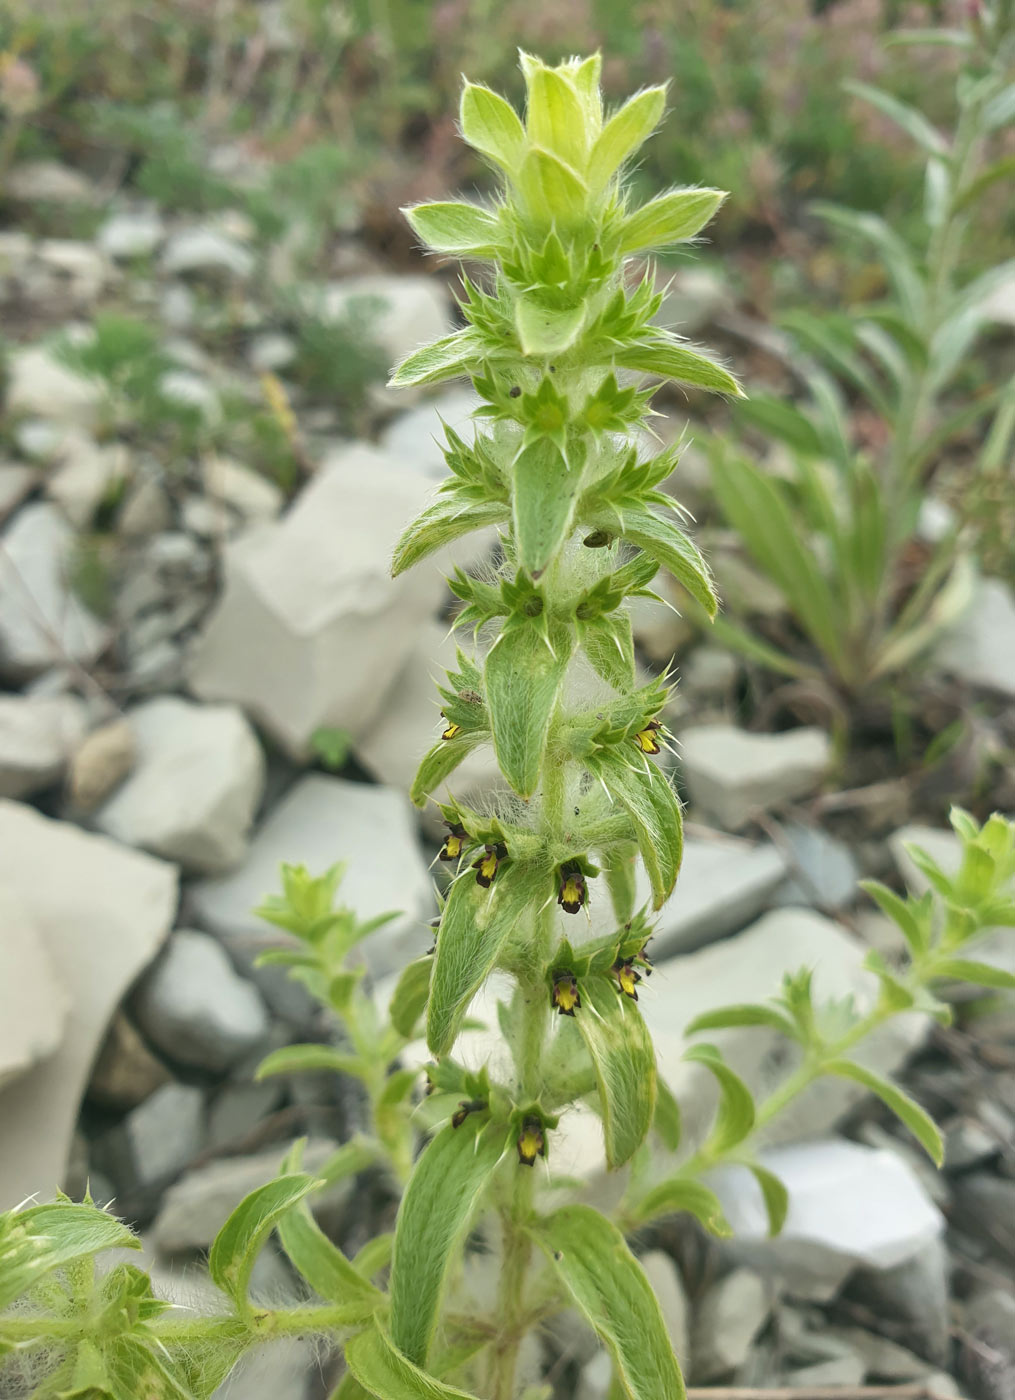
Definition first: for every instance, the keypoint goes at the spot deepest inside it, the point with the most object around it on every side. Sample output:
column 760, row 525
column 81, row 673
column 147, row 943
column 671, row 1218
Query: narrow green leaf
column 238, row 1243
column 608, row 642
column 775, row 1196
column 745, row 1014
column 543, row 498
column 625, row 131
column 739, row 639
column 671, row 360
column 474, row 923
column 448, row 358
column 623, row 1057
column 409, row 1000
column 735, row 1117
column 553, row 191
column 492, row 126
column 440, row 761
column 446, row 520
column 555, row 116
column 454, row 228
column 916, row 1119
column 664, row 541
column 323, row 1265
column 298, row 1059
column 981, row 973
column 349, row 1388
column 60, row 1233
column 622, row 880
column 546, row 330
column 1003, row 169
column 667, row 1121
column 776, row 418
column 679, row 1194
column 1000, row 109
column 901, row 912
column 907, row 118
column 608, row 1285
column 381, row 1369
column 652, row 805
column 908, row 284
column 435, row 1211
column 520, row 714
column 669, row 218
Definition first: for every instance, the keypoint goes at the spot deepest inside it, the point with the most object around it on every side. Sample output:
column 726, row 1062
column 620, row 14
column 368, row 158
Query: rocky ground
column 181, row 636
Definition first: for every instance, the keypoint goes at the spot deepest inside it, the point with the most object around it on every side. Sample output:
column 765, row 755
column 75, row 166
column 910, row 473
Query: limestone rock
column 195, row 1008
column 33, row 1000
column 40, row 384
column 252, row 496
column 416, row 438
column 103, row 919
column 101, row 762
column 131, row 233
column 981, row 647
column 409, row 310
column 37, row 736
column 85, row 477
column 78, row 272
column 823, row 869
column 205, row 251
column 730, row 1316
column 159, row 1137
column 49, row 182
column 666, row 1285
column 194, row 787
column 125, row 1072
column 42, row 622
column 16, row 481
column 319, row 821
column 313, row 592
column 731, row 773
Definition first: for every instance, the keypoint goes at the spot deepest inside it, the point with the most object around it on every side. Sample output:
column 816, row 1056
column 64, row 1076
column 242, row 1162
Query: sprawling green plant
column 553, row 688
column 838, row 538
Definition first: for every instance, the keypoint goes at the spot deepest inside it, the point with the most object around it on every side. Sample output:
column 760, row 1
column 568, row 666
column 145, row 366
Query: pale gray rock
column 730, row 773
column 37, row 738
column 77, row 270
column 849, row 1206
column 314, row 592
column 146, row 510
column 981, row 647
column 250, row 494
column 100, row 763
column 131, row 233
column 204, row 251
column 707, row 675
column 410, row 311
column 415, row 439
column 196, row 1207
column 191, row 390
column 197, row 778
column 87, row 473
column 662, row 1274
column 271, row 352
column 239, row 1108
column 846, row 1370
column 322, row 820
column 913, row 1297
column 749, row 968
column 41, row 385
column 823, row 869
column 195, row 1008
column 49, row 182
column 729, row 1317
column 660, row 631
column 17, row 479
column 162, row 1135
column 596, row 1379
column 42, row 623
column 692, row 298
column 34, row 1002
column 103, row 920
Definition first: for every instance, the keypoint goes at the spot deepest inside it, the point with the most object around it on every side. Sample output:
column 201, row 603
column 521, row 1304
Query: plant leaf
column 652, row 805
column 445, row 1186
column 446, row 520
column 901, row 912
column 608, row 1285
column 381, row 1369
column 552, row 190
column 667, row 1121
column 520, row 714
column 678, row 1194
column 298, row 1059
column 669, row 546
column 322, row 1263
column 440, row 761
column 608, row 642
column 744, row 1014
column 622, row 1054
column 671, row 360
column 60, row 1233
column 543, row 496
column 735, row 1117
column 777, row 418
column 409, row 999
column 669, row 218
column 907, row 118
column 625, row 131
column 916, row 1119
column 237, row 1245
column 546, row 330
column 981, row 973
column 492, row 126
column 555, row 116
column 474, row 923
column 453, row 227
column 774, row 1194
column 448, row 358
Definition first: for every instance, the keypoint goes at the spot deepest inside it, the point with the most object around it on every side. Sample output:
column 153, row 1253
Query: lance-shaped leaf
column 623, row 134
column 735, row 1116
column 382, row 1371
column 440, row 761
column 238, row 1243
column 492, row 126
column 669, row 359
column 552, row 190
column 435, row 1211
column 667, row 1121
column 609, row 1286
column 981, row 973
column 409, row 1000
column 543, row 496
column 455, row 228
column 669, row 218
column 447, row 358
column 621, row 1050
column 678, row 1194
column 474, row 924
column 448, row 519
column 774, row 1194
column 652, row 805
column 664, row 541
column 519, row 712
column 544, row 329
column 322, row 1263
column 42, row 1238
column 916, row 1119
column 555, row 116
column 608, row 642
column 299, row 1059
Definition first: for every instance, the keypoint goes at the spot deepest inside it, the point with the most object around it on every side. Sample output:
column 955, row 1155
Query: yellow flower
column 566, row 997
column 646, row 738
column 531, row 1141
column 454, row 842
column 627, row 976
column 486, row 865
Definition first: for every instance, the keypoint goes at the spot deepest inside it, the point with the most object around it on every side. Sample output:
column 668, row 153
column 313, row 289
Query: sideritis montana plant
column 562, row 471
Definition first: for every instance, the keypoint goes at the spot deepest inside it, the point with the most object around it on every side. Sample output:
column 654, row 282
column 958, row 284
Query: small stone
column 194, row 787
column 596, row 1379
column 33, row 1000
column 125, row 1072
column 251, row 495
column 980, row 648
column 661, row 1273
column 410, row 311
column 708, row 674
column 196, row 1207
column 692, row 298
column 985, row 1207
column 914, row 1296
column 85, row 478
column 731, row 774
column 204, row 251
column 101, row 762
column 660, row 631
column 162, row 1135
column 80, row 269
column 146, row 510
column 37, row 737
column 824, row 872
column 884, row 1360
column 730, row 1316
column 16, row 481
column 271, row 352
column 415, row 438
column 157, row 668
column 131, row 234
column 968, row 1144
column 41, row 385
column 42, row 622
column 840, row 1371
column 49, row 182
column 179, row 307
column 194, row 1006
column 239, row 1109
column 190, row 390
